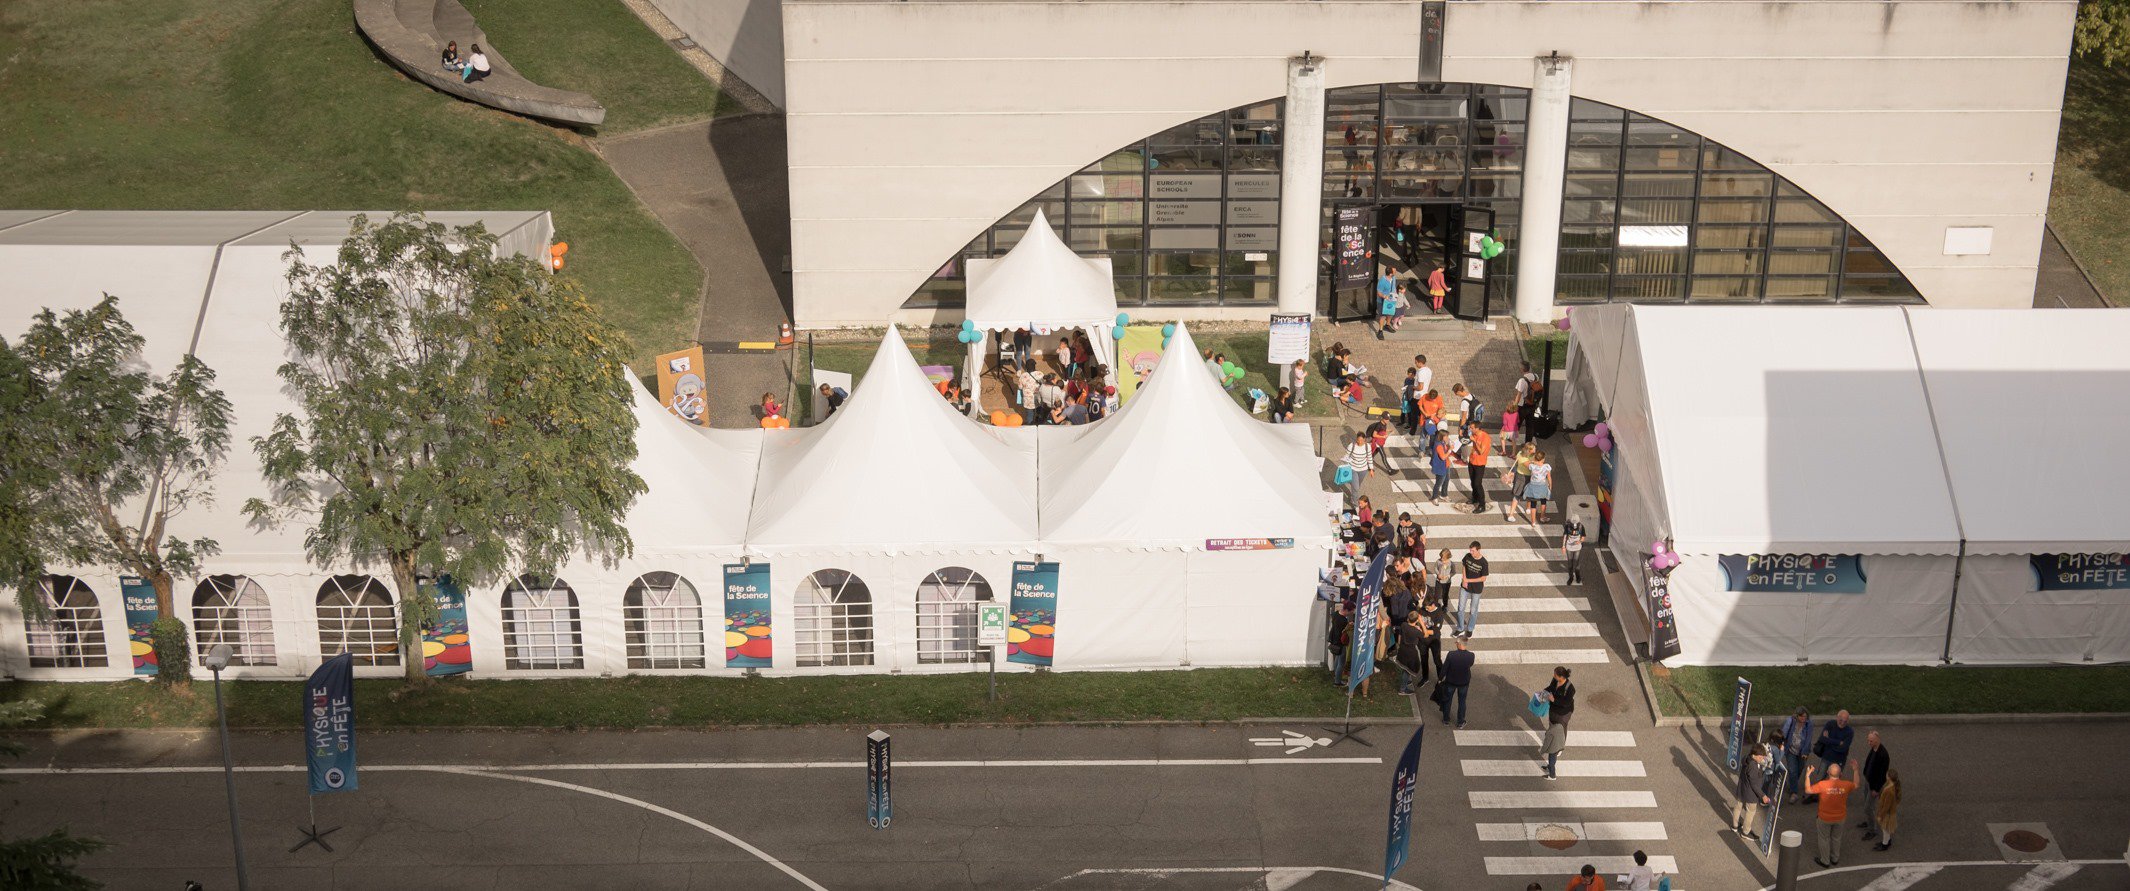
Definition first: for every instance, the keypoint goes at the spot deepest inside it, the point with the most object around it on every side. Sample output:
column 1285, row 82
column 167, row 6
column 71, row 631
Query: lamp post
column 216, row 660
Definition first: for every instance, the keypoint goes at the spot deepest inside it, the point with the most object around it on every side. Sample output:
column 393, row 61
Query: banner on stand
column 139, row 598
column 1032, row 638
column 1663, row 626
column 329, row 725
column 1403, row 783
column 446, row 648
column 1741, row 703
column 1361, row 657
column 747, row 615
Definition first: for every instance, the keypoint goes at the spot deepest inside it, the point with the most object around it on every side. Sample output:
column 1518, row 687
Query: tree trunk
column 161, row 580
column 410, row 619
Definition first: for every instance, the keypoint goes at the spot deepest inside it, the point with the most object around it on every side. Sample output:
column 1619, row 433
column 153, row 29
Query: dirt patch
column 1555, row 836
column 1608, row 702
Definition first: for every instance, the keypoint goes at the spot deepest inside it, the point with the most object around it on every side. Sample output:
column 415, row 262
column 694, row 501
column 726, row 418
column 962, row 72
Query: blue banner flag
column 879, row 808
column 329, row 725
column 1741, row 702
column 1361, row 659
column 1402, row 785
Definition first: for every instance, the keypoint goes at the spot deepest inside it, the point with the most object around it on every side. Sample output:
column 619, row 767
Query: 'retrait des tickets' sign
column 1793, row 573
column 2080, row 572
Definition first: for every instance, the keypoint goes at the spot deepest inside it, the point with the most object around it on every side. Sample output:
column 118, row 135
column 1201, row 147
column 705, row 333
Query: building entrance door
column 1472, row 272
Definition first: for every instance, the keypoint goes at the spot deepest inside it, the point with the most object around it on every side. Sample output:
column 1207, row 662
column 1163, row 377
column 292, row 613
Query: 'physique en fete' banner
column 329, row 725
column 747, row 615
column 1031, row 636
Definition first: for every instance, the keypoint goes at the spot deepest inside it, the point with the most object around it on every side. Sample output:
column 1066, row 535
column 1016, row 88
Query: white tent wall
column 892, row 582
column 2001, row 619
column 111, row 617
column 1898, row 620
column 1249, row 607
column 1122, row 609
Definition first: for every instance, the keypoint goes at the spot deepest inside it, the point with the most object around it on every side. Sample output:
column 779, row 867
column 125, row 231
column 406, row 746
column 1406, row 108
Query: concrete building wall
column 916, row 125
column 746, row 36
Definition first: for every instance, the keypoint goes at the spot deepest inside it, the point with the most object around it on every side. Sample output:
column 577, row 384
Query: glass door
column 1474, row 270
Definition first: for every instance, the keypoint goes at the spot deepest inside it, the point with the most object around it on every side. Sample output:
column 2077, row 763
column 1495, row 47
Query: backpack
column 1477, row 414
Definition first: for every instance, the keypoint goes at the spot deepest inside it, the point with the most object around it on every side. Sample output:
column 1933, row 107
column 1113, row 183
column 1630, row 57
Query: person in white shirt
column 1423, row 377
column 476, row 65
column 1361, row 459
column 1641, row 877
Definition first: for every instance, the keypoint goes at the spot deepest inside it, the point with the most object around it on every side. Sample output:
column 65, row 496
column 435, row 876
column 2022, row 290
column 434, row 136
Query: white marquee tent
column 1043, row 286
column 1889, row 433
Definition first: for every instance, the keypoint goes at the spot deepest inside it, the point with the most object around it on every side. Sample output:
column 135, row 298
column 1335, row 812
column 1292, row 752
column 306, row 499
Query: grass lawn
column 640, row 701
column 254, row 104
column 1898, row 690
column 2090, row 198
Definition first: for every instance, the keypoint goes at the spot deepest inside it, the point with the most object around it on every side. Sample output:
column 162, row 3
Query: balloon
column 1168, row 330
column 1164, row 343
column 1589, row 440
column 558, row 248
column 1604, row 443
column 1561, row 323
column 1228, row 369
column 1116, row 333
column 1602, row 429
column 1123, row 319
column 998, row 418
column 1657, row 547
column 769, row 423
column 968, row 324
column 1013, row 419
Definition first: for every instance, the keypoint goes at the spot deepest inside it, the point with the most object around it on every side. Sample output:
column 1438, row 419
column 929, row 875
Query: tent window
column 355, row 616
column 232, row 609
column 664, row 620
column 71, row 634
column 541, row 629
column 946, row 616
column 835, row 620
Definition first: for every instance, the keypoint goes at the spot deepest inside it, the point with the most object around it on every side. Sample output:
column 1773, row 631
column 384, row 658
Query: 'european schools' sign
column 1793, row 573
column 2080, row 572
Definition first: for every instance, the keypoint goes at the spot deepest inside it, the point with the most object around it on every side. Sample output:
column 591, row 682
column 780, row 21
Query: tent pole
column 1953, row 611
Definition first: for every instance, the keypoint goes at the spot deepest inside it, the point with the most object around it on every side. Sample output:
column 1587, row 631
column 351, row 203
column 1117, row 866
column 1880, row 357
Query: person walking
column 1437, row 286
column 1423, row 378
column 1833, row 793
column 1560, row 696
column 1300, row 372
column 1572, row 536
column 1477, row 463
column 1431, row 613
column 1360, row 461
column 1519, row 475
column 1877, row 761
column 1378, row 437
column 1887, row 809
column 1796, row 736
column 1411, row 652
column 1456, row 681
column 1832, row 747
column 1386, row 303
column 1438, row 463
column 1538, row 492
column 1751, row 793
column 1438, row 577
column 1409, row 403
column 1474, row 566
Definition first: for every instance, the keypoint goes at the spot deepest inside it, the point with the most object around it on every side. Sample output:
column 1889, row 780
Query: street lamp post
column 216, row 660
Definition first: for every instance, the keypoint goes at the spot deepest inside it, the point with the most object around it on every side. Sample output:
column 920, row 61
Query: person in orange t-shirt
column 1476, row 464
column 1431, row 405
column 1587, row 880
column 1833, row 795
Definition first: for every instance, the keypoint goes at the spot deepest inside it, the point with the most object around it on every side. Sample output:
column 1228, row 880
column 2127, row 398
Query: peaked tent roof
column 894, row 470
column 1041, row 282
column 1180, row 464
column 700, row 482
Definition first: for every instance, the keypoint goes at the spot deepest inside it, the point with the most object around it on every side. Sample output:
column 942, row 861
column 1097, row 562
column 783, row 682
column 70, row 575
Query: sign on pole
column 1289, row 341
column 991, row 625
column 878, row 808
column 329, row 725
column 1663, row 626
column 1361, row 659
column 1402, row 784
column 1778, row 780
column 1741, row 702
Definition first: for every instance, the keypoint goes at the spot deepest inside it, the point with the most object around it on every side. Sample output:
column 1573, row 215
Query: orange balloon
column 998, row 418
column 557, row 260
column 783, row 423
column 558, row 248
column 768, row 423
column 1013, row 420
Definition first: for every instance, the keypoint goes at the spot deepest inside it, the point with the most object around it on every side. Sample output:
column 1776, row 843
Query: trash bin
column 1544, row 424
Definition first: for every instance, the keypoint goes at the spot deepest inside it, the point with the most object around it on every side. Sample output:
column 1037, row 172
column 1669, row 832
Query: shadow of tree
column 2096, row 122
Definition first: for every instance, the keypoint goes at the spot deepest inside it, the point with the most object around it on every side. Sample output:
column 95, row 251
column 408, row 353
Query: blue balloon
column 1123, row 319
column 968, row 324
column 969, row 337
column 1164, row 343
column 1168, row 330
column 1116, row 334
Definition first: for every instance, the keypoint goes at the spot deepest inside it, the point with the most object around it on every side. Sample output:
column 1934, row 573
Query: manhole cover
column 1555, row 836
column 1608, row 702
column 2025, row 841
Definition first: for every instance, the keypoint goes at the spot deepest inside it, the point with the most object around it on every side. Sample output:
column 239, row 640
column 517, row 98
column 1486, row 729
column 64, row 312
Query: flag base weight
column 312, row 835
column 1349, row 731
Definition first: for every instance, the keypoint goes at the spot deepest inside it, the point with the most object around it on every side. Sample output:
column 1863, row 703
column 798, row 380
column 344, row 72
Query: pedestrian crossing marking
column 1904, row 877
column 1611, row 739
column 1483, row 531
column 1566, row 865
column 1493, row 554
column 1524, row 767
column 1532, row 605
column 1534, row 629
column 1538, row 657
column 1581, row 798
column 1528, row 830
column 1459, row 482
column 1516, row 579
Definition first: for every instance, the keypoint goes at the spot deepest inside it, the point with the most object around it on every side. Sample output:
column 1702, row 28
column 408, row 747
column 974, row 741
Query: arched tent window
column 946, row 616
column 71, row 633
column 664, row 621
column 355, row 616
column 232, row 609
column 541, row 629
column 835, row 620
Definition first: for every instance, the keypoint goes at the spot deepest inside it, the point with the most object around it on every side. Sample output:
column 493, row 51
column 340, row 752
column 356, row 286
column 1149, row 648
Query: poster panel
column 681, row 385
column 1356, row 266
column 2080, row 572
column 747, row 640
column 1793, row 573
column 446, row 648
column 1032, row 638
column 139, row 599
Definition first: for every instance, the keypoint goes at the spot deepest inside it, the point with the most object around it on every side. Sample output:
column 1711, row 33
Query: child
column 1353, row 392
column 770, row 408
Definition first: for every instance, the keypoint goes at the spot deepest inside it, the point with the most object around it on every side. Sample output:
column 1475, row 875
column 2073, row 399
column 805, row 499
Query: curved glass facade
column 1652, row 213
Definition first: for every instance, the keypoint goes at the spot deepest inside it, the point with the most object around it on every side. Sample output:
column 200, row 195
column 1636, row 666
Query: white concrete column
column 1301, row 184
column 1545, row 170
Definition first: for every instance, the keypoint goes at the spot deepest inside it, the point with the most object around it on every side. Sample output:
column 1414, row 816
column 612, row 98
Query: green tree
column 41, row 861
column 120, row 443
column 26, row 480
column 2103, row 31
column 463, row 412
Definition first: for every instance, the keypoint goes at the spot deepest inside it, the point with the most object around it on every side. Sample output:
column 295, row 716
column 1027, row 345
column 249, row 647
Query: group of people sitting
column 1075, row 392
column 469, row 69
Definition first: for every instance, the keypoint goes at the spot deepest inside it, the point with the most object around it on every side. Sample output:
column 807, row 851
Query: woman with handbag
column 1517, row 476
column 1559, row 697
column 1538, row 492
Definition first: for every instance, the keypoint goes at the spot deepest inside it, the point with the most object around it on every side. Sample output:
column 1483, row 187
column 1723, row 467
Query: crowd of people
column 1451, row 434
column 1073, row 389
column 1818, row 769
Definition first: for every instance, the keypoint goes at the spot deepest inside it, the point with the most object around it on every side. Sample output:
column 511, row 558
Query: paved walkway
column 2061, row 284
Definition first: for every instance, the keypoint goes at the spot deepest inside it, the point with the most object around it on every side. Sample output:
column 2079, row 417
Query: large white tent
column 1940, row 448
column 1043, row 286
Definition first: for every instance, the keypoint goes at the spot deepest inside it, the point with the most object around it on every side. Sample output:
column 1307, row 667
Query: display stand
column 1348, row 731
column 312, row 835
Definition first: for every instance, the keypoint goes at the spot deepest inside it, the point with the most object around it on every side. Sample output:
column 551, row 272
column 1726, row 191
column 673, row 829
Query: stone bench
column 411, row 34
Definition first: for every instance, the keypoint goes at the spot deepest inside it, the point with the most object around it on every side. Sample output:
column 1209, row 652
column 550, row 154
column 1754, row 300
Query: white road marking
column 1460, row 480
column 1533, row 629
column 1522, row 767
column 1561, row 799
column 2045, row 876
column 1901, row 878
column 1463, row 533
column 1573, row 863
column 1998, row 864
column 1613, row 739
column 1285, row 872
column 1494, row 554
column 1528, row 831
column 1292, row 741
column 1534, row 605
column 718, row 765
column 1536, row 657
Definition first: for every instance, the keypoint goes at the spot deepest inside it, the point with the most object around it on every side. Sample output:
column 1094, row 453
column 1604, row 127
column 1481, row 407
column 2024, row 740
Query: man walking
column 1835, row 738
column 1876, row 762
column 1360, row 461
column 1751, row 792
column 1796, row 736
column 1833, row 793
column 1476, row 464
column 1423, row 381
column 1572, row 536
column 1456, row 680
column 1474, row 566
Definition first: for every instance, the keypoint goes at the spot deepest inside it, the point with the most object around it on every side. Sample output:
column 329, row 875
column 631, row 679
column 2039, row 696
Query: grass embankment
column 1898, row 689
column 2090, row 198
column 252, row 104
column 642, row 702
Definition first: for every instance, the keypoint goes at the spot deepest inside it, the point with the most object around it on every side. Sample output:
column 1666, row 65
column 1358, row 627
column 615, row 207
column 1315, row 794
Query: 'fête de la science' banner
column 2067, row 572
column 1663, row 623
column 446, row 650
column 329, row 725
column 747, row 615
column 139, row 597
column 1793, row 573
column 1031, row 638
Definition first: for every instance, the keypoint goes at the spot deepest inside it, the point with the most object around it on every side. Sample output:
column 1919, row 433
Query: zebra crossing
column 1555, row 816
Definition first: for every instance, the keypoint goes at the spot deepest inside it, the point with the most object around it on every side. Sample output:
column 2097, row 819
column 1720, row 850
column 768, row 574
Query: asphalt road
column 1172, row 807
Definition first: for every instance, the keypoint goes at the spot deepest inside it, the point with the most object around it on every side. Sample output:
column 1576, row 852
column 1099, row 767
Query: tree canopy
column 2103, row 31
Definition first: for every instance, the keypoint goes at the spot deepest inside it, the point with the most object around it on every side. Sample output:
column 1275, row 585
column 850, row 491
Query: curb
column 718, row 728
column 1925, row 720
